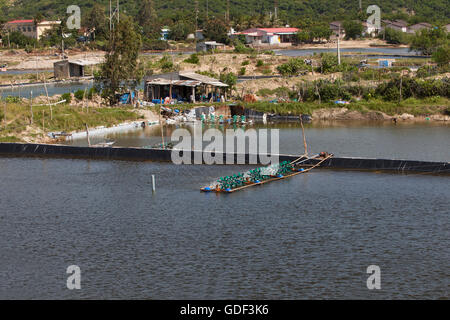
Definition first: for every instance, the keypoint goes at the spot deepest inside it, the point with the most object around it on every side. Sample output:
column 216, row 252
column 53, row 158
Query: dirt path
column 20, row 60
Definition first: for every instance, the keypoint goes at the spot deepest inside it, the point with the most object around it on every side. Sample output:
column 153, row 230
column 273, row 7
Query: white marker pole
column 153, row 183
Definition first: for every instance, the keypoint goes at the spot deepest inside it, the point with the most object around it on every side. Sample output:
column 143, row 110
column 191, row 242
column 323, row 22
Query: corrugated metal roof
column 202, row 78
column 185, row 83
column 85, row 62
column 194, row 79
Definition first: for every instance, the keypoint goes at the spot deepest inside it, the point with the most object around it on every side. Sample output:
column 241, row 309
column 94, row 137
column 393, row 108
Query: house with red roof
column 269, row 36
column 29, row 28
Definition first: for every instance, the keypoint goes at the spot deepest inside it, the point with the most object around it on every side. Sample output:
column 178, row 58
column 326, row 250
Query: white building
column 272, row 36
column 29, row 28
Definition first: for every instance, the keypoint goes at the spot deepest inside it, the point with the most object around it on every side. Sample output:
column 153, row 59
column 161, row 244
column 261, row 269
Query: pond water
column 371, row 51
column 428, row 141
column 310, row 236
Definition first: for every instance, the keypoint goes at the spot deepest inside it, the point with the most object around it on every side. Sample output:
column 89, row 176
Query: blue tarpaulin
column 126, row 97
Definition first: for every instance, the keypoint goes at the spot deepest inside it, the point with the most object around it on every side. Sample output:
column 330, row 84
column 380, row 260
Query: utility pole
column 207, row 10
column 228, row 11
column 338, row 45
column 118, row 12
column 196, row 24
column 110, row 16
column 276, row 10
column 360, row 5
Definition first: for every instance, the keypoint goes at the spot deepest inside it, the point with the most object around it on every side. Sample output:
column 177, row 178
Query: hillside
column 290, row 11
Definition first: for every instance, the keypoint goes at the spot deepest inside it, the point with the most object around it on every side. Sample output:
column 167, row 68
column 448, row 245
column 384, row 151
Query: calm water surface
column 311, row 236
column 414, row 141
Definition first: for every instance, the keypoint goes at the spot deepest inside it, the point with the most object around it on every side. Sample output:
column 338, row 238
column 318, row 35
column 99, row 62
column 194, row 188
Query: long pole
column 338, row 46
column 48, row 99
column 162, row 131
column 87, row 135
column 110, row 16
column 304, row 137
column 31, row 106
column 153, row 183
column 4, row 113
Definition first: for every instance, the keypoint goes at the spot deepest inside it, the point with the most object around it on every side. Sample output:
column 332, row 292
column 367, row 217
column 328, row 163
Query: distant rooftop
column 21, row 21
column 260, row 31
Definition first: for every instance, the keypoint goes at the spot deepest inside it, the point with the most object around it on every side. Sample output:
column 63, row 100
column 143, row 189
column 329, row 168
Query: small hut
column 183, row 87
column 65, row 69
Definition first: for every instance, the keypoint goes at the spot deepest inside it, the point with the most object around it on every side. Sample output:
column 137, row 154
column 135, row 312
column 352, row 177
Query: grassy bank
column 412, row 106
column 416, row 107
column 21, row 127
column 25, row 77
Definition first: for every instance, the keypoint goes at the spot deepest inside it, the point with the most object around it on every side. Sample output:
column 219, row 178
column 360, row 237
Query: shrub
column 153, row 44
column 166, row 64
column 241, row 48
column 264, row 92
column 245, row 63
column 12, row 99
column 242, row 71
column 91, row 93
column 67, row 96
column 79, row 94
column 259, row 63
column 293, row 67
column 228, row 78
column 266, row 71
column 193, row 58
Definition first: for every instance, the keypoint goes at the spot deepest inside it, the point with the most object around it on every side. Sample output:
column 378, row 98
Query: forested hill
column 290, row 11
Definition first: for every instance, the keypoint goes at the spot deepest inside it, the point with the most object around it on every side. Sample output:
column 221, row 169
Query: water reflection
column 407, row 140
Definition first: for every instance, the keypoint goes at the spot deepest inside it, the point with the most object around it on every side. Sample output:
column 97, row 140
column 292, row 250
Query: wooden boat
column 249, row 183
column 296, row 170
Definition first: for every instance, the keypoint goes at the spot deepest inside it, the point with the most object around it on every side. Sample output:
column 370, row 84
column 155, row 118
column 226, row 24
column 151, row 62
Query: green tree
column 55, row 35
column 230, row 79
column 148, row 20
column 216, row 30
column 96, row 19
column 293, row 67
column 427, row 41
column 121, row 69
column 180, row 31
column 353, row 29
column 38, row 18
column 303, row 36
column 320, row 32
column 442, row 55
column 19, row 39
column 392, row 36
